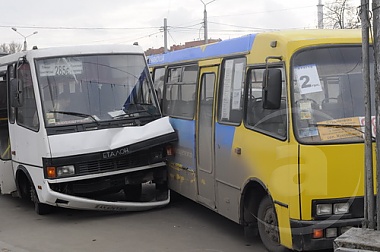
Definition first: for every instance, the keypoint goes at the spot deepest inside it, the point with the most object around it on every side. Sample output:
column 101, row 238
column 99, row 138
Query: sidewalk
column 358, row 240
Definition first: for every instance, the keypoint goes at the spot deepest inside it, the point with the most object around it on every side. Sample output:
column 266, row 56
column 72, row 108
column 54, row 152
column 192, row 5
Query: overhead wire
column 193, row 26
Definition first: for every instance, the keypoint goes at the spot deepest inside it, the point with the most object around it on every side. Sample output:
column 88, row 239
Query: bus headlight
column 341, row 208
column 60, row 171
column 324, row 209
column 66, row 170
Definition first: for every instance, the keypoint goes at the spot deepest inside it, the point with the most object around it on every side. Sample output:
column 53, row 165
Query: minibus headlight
column 66, row 170
column 324, row 209
column 341, row 208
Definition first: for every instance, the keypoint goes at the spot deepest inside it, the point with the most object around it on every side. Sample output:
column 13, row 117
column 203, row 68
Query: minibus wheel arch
column 257, row 203
column 27, row 191
column 23, row 183
column 253, row 192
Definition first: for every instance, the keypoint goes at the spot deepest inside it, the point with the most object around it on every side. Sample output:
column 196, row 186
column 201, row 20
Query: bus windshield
column 328, row 94
column 95, row 88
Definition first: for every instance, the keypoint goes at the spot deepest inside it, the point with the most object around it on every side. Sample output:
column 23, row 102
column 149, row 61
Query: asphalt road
column 181, row 226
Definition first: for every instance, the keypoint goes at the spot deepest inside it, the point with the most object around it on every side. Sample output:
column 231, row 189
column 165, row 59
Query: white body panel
column 7, row 183
column 106, row 139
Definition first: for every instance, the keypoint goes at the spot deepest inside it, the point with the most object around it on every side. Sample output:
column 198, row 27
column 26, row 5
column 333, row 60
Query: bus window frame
column 159, row 90
column 11, row 74
column 284, row 94
column 220, row 89
column 166, row 83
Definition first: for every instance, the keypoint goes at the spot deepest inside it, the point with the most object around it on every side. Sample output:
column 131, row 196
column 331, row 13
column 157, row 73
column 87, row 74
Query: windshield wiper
column 131, row 114
column 83, row 115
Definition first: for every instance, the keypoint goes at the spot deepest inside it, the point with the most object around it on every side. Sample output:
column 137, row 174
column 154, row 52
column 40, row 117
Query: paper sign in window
column 308, row 79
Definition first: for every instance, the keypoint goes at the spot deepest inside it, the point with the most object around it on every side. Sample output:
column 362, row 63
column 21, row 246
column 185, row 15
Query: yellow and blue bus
column 270, row 130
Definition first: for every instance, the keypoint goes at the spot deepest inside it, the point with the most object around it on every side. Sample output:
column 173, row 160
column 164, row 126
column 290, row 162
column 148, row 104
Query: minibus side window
column 179, row 97
column 11, row 74
column 268, row 121
column 27, row 114
column 231, row 91
column 158, row 81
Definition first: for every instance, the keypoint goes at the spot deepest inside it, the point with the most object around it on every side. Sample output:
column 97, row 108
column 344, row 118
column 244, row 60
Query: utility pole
column 205, row 21
column 165, row 36
column 376, row 45
column 369, row 204
column 343, row 10
column 320, row 14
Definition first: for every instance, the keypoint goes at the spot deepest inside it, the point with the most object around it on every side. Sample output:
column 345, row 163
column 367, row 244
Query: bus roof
column 226, row 47
column 72, row 50
column 243, row 45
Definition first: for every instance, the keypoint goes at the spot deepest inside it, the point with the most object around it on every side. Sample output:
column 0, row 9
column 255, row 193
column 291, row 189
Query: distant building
column 151, row 51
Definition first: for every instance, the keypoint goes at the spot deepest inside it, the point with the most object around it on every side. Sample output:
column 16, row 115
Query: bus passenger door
column 7, row 182
column 205, row 137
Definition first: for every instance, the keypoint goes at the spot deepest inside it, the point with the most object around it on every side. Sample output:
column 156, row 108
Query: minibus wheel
column 39, row 208
column 268, row 226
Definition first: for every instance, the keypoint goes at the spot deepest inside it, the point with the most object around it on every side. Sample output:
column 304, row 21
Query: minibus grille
column 136, row 159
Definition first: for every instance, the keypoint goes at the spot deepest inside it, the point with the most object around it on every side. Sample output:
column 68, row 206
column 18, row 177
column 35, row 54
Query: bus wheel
column 39, row 208
column 133, row 192
column 268, row 226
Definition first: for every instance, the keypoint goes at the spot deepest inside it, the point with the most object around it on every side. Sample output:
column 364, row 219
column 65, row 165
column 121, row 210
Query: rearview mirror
column 272, row 88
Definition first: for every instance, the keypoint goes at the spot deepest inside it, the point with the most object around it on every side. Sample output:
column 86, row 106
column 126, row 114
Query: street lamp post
column 205, row 20
column 25, row 44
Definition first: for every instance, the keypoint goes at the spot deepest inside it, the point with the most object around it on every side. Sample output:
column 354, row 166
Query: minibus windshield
column 81, row 89
column 328, row 94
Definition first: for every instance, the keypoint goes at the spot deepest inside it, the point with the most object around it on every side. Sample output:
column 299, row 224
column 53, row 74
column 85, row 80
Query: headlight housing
column 341, row 208
column 60, row 171
column 324, row 209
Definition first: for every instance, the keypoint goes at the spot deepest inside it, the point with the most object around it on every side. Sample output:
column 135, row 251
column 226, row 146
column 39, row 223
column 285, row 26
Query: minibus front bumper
column 303, row 232
column 74, row 202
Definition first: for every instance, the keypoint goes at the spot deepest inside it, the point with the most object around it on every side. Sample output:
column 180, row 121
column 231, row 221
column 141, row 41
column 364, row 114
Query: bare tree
column 11, row 47
column 340, row 14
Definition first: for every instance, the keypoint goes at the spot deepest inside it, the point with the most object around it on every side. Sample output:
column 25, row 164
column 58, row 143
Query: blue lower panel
column 185, row 147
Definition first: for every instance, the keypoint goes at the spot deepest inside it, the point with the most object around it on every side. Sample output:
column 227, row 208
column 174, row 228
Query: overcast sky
column 78, row 22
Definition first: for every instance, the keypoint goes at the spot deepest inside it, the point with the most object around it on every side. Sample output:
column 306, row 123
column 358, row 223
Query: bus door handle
column 238, row 150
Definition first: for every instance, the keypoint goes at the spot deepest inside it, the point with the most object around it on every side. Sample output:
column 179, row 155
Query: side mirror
column 16, row 95
column 272, row 88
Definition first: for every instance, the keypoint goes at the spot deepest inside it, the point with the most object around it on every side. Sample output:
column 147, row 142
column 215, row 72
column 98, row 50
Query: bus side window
column 11, row 74
column 158, row 82
column 231, row 91
column 179, row 98
column 269, row 121
column 27, row 114
column 4, row 133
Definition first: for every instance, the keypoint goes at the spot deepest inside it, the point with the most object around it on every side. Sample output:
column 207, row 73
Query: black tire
column 39, row 208
column 133, row 192
column 268, row 226
column 24, row 190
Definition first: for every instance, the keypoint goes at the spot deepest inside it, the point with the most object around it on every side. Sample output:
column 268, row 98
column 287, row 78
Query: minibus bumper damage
column 82, row 203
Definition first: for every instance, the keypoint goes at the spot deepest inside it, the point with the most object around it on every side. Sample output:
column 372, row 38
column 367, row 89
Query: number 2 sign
column 308, row 79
